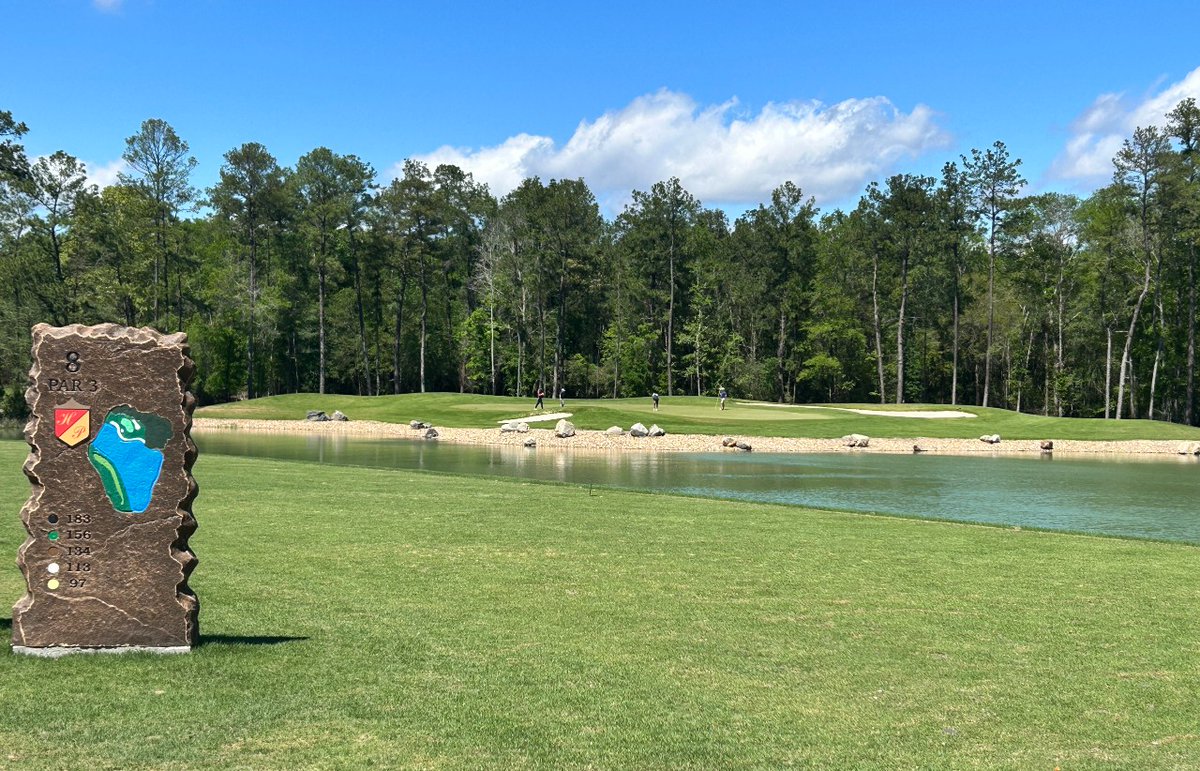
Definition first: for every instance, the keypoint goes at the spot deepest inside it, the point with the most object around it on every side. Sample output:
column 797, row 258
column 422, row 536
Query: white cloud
column 1097, row 134
column 107, row 6
column 720, row 154
column 103, row 175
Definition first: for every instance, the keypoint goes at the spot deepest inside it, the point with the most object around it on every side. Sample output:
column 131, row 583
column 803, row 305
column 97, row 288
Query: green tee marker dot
column 53, row 535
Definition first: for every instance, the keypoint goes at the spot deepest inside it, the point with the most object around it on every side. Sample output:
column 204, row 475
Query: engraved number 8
column 72, row 362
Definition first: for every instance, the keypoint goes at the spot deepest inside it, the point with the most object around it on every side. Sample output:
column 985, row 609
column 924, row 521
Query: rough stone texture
column 339, row 415
column 430, row 433
column 990, row 438
column 1189, row 448
column 856, row 440
column 656, row 431
column 637, row 429
column 316, row 416
column 531, row 442
column 419, row 425
column 106, row 561
column 743, row 446
column 614, row 431
column 564, row 428
column 1046, row 445
column 728, row 441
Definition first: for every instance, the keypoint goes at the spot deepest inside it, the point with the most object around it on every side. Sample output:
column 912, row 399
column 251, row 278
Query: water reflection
column 1146, row 497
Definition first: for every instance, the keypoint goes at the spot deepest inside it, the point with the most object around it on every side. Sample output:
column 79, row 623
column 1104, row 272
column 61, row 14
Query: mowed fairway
column 701, row 415
column 356, row 617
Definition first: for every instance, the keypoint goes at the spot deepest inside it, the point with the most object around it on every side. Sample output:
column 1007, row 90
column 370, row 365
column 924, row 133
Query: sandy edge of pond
column 599, row 441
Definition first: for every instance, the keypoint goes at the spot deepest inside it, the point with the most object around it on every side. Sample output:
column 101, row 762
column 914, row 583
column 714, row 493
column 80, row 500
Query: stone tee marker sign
column 106, row 562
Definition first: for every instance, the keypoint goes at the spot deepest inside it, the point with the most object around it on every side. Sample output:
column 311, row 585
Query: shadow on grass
column 5, row 624
column 228, row 639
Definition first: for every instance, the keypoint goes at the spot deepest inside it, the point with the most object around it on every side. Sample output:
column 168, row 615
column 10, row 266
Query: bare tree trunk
column 397, row 373
column 1189, row 405
column 954, row 373
column 1125, row 356
column 900, row 330
column 1158, row 351
column 671, row 314
column 321, row 328
column 878, row 332
column 779, row 351
column 987, row 353
column 1108, row 376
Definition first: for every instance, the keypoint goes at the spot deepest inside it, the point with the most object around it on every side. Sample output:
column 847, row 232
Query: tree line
column 952, row 289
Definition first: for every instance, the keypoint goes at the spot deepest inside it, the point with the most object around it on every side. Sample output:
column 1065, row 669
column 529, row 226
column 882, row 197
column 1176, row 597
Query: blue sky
column 734, row 98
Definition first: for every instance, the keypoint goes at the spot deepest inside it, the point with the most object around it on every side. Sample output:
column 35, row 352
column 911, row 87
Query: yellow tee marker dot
column 52, row 583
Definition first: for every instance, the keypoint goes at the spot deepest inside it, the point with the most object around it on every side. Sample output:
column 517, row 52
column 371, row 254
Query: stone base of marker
column 106, row 561
column 59, row 652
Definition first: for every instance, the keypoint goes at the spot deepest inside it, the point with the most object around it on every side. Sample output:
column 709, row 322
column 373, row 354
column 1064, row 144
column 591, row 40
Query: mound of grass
column 356, row 617
column 700, row 415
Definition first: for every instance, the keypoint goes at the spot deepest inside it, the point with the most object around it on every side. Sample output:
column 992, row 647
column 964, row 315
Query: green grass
column 700, row 415
column 356, row 617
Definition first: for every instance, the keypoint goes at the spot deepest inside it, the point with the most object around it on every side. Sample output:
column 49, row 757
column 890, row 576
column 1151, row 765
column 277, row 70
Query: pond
column 1141, row 498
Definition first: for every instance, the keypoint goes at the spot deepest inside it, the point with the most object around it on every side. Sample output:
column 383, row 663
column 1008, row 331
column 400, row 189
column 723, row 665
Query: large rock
column 519, row 427
column 564, row 428
column 744, row 447
column 339, row 415
column 655, row 431
column 728, row 441
column 1189, row 448
column 530, row 442
column 1046, row 445
column 990, row 438
column 856, row 440
column 106, row 560
column 615, row 431
column 418, row 425
column 430, row 433
column 637, row 429
column 316, row 416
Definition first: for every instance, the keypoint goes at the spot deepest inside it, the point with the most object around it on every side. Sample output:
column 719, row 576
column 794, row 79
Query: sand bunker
column 537, row 418
column 880, row 413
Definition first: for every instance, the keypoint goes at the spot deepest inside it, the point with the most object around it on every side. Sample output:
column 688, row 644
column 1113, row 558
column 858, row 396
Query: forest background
column 953, row 289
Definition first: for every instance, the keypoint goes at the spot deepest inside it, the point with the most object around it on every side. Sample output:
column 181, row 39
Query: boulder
column 520, row 427
column 339, row 415
column 564, row 428
column 656, row 431
column 918, row 448
column 990, row 438
column 856, row 440
column 728, row 441
column 743, row 446
column 531, row 442
column 316, row 416
column 414, row 424
column 614, row 431
column 419, row 425
column 1189, row 448
column 1046, row 445
column 430, row 433
column 637, row 429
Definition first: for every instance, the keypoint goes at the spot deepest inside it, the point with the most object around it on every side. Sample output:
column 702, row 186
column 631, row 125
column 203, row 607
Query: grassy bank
column 700, row 415
column 355, row 617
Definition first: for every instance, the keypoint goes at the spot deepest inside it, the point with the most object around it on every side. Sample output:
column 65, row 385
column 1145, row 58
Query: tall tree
column 249, row 198
column 162, row 170
column 1139, row 168
column 994, row 183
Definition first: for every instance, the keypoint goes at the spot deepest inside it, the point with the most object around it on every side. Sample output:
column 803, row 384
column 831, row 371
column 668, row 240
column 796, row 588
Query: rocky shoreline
column 602, row 442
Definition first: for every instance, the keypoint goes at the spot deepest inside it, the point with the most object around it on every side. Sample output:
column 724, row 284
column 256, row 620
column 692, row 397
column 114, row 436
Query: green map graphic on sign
column 127, row 454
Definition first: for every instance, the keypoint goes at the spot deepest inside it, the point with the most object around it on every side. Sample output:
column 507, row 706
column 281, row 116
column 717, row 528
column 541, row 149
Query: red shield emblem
column 71, row 425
